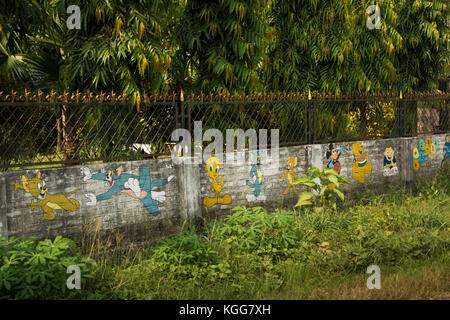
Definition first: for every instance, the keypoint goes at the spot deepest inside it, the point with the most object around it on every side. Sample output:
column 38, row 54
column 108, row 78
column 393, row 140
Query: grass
column 312, row 254
column 412, row 279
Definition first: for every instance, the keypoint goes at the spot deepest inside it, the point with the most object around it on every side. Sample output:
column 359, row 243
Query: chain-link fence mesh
column 289, row 117
column 74, row 133
column 60, row 131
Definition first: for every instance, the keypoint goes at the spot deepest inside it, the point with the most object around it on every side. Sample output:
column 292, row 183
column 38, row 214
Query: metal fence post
column 180, row 114
column 363, row 117
column 309, row 120
column 181, row 107
column 400, row 115
column 67, row 133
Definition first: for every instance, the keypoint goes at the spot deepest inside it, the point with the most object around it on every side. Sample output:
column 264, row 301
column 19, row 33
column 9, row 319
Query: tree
column 225, row 41
column 425, row 51
column 325, row 45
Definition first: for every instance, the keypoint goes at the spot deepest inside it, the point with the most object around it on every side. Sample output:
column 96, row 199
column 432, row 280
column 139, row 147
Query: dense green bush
column 184, row 249
column 38, row 270
column 255, row 231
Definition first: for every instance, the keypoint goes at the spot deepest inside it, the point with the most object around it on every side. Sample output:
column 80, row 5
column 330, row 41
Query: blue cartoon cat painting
column 256, row 176
column 138, row 187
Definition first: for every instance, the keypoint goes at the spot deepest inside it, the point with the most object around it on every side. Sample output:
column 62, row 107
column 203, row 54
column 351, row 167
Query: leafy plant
column 325, row 184
column 38, row 270
column 184, row 256
column 254, row 230
column 184, row 249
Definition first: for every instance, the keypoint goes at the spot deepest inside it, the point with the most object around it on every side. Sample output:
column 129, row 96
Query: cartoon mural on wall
column 446, row 161
column 256, row 175
column 48, row 202
column 290, row 175
column 213, row 167
column 138, row 187
column 422, row 156
column 416, row 165
column 333, row 154
column 390, row 160
column 425, row 148
column 361, row 163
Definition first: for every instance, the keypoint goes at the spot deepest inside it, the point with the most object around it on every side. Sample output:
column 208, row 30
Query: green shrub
column 325, row 185
column 254, row 230
column 184, row 256
column 184, row 249
column 38, row 270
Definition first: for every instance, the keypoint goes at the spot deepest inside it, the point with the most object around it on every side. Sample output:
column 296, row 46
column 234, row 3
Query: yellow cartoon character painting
column 290, row 174
column 213, row 167
column 48, row 202
column 361, row 164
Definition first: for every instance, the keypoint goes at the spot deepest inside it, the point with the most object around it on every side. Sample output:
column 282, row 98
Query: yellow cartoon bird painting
column 213, row 168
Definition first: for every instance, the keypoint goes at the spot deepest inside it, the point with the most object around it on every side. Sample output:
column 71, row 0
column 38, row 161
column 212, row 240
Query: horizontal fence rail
column 50, row 129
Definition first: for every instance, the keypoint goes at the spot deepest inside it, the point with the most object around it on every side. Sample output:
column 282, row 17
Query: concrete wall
column 183, row 196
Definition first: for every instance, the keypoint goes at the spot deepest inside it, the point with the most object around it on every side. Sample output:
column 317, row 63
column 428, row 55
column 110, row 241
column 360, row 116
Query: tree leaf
column 304, row 199
column 339, row 193
column 333, row 179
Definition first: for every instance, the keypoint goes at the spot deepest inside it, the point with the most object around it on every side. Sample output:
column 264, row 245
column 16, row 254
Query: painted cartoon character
column 422, row 145
column 390, row 161
column 138, row 187
column 361, row 164
column 48, row 202
column 434, row 146
column 446, row 161
column 290, row 174
column 428, row 145
column 416, row 164
column 213, row 168
column 256, row 175
column 333, row 154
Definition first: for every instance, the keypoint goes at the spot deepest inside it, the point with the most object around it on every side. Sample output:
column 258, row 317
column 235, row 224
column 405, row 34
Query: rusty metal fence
column 50, row 129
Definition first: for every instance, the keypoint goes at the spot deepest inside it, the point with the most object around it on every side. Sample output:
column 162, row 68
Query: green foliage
column 325, row 46
column 325, row 184
column 224, row 46
column 184, row 249
column 183, row 257
column 124, row 47
column 38, row 270
column 424, row 52
column 226, row 40
column 255, row 231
